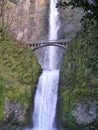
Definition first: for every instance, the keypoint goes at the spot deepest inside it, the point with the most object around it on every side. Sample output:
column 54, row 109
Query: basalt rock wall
column 28, row 19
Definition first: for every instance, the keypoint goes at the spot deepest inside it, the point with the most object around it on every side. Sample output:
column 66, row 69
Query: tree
column 14, row 1
column 90, row 9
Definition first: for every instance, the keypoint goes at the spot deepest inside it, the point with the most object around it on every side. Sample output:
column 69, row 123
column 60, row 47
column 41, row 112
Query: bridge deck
column 48, row 41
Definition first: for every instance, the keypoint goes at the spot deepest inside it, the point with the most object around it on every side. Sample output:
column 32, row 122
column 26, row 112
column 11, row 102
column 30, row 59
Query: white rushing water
column 46, row 94
column 54, row 25
column 45, row 101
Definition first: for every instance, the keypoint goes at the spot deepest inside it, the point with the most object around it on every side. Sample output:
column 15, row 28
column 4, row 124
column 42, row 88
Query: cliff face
column 40, row 19
column 18, row 17
column 28, row 19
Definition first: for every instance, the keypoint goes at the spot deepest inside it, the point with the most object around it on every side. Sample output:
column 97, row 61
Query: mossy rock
column 19, row 72
column 78, row 78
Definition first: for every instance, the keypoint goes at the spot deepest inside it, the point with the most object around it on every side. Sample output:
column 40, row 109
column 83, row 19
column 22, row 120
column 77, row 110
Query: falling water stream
column 45, row 101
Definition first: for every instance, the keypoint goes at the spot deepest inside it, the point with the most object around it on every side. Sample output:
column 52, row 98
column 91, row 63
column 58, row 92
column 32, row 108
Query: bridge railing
column 47, row 41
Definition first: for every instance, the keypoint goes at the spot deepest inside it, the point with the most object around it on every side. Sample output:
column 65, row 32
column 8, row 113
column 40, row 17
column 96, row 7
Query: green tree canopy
column 14, row 1
column 90, row 8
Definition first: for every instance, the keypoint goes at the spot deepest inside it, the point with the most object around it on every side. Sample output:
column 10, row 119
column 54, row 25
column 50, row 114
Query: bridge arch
column 39, row 44
column 43, row 45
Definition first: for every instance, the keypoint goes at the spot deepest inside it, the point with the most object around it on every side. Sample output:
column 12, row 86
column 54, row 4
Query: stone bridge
column 38, row 44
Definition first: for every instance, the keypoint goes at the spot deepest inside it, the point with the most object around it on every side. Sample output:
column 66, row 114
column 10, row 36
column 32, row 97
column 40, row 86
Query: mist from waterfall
column 45, row 100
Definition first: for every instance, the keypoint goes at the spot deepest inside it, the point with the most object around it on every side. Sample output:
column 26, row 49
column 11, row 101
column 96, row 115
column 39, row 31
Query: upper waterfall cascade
column 54, row 23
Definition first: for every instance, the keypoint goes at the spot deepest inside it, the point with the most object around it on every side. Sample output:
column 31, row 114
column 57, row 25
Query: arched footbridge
column 39, row 44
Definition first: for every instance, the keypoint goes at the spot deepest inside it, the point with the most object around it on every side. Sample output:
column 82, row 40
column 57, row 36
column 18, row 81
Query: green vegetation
column 14, row 1
column 79, row 74
column 80, row 64
column 19, row 71
column 19, row 68
column 90, row 8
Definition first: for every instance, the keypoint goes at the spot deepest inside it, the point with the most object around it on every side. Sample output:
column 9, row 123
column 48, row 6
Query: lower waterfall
column 46, row 95
column 45, row 101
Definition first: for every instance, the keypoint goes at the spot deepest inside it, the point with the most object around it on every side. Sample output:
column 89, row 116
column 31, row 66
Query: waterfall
column 54, row 25
column 54, row 22
column 45, row 101
column 46, row 94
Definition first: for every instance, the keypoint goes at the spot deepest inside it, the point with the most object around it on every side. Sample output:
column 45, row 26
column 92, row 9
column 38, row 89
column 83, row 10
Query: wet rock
column 70, row 22
column 14, row 112
column 85, row 112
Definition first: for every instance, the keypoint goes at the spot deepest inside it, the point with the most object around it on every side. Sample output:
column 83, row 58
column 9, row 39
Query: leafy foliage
column 90, row 9
column 14, row 1
column 79, row 73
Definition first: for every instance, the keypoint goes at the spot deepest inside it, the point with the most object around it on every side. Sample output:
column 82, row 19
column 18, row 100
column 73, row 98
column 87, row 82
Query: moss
column 94, row 81
column 2, row 127
column 78, row 79
column 65, row 116
column 19, row 72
